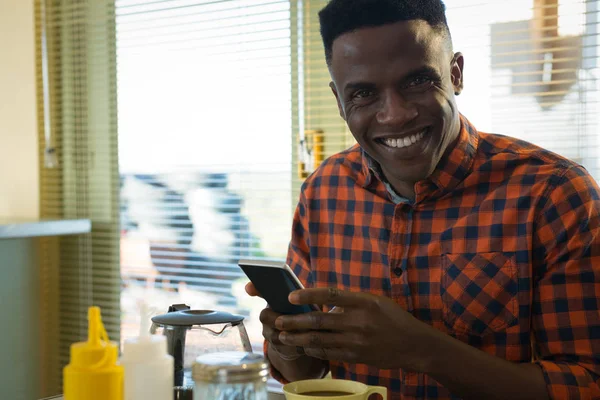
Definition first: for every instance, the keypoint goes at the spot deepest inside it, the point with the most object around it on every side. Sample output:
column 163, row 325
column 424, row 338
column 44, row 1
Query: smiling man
column 461, row 264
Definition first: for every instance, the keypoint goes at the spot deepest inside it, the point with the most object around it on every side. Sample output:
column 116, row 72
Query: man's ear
column 457, row 71
column 337, row 98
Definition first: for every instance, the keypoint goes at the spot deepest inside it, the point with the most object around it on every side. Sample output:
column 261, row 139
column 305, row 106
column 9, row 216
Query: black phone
column 275, row 281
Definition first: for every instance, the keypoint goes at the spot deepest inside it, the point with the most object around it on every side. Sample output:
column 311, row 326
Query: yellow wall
column 19, row 198
column 19, row 177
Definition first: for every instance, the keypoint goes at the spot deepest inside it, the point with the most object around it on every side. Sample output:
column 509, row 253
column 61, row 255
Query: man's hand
column 371, row 330
column 271, row 333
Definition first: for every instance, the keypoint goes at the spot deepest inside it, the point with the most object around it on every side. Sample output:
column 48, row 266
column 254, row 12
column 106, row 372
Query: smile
column 403, row 142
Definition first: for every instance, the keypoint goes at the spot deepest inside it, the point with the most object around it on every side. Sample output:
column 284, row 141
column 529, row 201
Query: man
column 461, row 264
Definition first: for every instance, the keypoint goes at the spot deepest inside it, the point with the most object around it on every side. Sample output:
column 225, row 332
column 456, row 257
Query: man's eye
column 362, row 94
column 420, row 81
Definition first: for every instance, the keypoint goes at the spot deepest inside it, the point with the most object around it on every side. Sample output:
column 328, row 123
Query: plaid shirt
column 500, row 249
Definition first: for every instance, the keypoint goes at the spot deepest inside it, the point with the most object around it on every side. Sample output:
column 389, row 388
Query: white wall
column 19, row 177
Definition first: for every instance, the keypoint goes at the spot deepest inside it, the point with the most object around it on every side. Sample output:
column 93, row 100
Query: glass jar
column 230, row 376
column 192, row 333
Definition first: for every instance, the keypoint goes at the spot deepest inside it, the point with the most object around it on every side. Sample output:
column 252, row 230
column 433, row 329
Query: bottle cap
column 145, row 348
column 98, row 352
column 93, row 372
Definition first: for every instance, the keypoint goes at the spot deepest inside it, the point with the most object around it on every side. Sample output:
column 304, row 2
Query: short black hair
column 343, row 16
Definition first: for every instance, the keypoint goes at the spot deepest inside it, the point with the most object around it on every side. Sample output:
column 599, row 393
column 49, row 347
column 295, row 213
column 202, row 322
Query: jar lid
column 230, row 367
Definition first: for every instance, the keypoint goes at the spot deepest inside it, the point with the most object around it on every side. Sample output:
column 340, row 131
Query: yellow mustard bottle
column 93, row 372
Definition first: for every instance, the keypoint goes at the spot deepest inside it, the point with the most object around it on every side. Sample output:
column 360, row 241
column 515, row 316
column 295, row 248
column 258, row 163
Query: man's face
column 395, row 85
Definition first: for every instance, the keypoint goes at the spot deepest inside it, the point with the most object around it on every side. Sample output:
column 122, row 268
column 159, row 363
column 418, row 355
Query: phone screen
column 274, row 285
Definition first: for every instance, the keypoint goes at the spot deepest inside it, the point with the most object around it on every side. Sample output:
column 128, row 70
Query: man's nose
column 395, row 110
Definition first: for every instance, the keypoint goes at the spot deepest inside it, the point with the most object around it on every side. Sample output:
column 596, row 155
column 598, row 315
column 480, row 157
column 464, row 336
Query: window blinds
column 321, row 111
column 78, row 271
column 205, row 150
column 177, row 125
column 172, row 125
column 531, row 70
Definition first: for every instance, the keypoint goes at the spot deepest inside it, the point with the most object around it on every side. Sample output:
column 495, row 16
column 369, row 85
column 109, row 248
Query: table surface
column 272, row 396
column 26, row 228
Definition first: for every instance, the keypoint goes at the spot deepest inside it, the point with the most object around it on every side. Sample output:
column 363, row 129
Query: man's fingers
column 288, row 351
column 251, row 290
column 336, row 309
column 333, row 353
column 312, row 321
column 271, row 335
column 268, row 317
column 330, row 296
column 316, row 339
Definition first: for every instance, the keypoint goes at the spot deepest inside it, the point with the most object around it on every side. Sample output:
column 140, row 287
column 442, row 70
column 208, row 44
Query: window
column 206, row 101
column 531, row 70
column 205, row 150
column 205, row 122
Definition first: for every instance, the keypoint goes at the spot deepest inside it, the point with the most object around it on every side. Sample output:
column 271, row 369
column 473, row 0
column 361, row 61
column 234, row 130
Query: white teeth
column 404, row 142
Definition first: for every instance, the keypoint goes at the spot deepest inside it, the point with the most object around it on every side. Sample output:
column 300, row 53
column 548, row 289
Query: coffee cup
column 331, row 389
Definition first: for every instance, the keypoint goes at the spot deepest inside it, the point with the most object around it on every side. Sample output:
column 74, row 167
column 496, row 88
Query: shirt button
column 398, row 271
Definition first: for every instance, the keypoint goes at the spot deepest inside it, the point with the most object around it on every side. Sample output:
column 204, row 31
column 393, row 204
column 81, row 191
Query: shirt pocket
column 479, row 292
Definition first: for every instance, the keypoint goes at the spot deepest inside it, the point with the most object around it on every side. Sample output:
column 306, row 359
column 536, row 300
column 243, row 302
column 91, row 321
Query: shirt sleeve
column 566, row 298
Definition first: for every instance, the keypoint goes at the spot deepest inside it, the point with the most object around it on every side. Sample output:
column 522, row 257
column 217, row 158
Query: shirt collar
column 452, row 169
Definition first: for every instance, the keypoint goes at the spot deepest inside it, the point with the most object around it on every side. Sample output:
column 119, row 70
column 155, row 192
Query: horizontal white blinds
column 205, row 134
column 531, row 71
column 321, row 111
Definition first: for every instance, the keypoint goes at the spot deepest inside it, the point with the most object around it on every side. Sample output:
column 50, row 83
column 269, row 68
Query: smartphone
column 275, row 281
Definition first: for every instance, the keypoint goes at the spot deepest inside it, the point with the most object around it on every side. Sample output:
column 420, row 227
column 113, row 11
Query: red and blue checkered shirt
column 500, row 249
